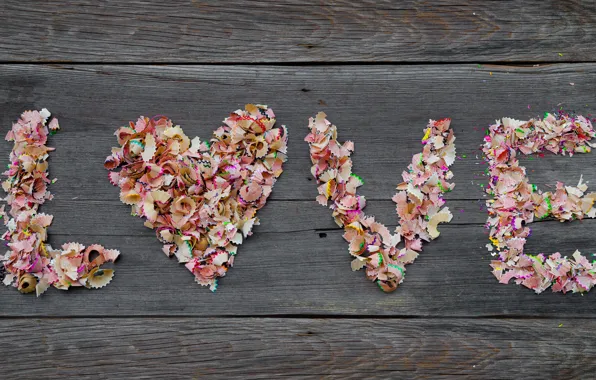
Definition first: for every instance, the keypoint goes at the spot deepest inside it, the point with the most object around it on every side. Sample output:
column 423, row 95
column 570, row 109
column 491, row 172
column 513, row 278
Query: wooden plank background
column 300, row 348
column 291, row 306
column 298, row 31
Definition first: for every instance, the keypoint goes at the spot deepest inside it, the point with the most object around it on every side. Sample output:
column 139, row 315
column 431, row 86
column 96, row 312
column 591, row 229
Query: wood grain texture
column 297, row 262
column 383, row 109
column 301, row 273
column 297, row 31
column 257, row 348
column 291, row 307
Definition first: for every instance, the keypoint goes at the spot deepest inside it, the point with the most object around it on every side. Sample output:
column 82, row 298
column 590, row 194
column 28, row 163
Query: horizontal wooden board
column 383, row 109
column 297, row 31
column 297, row 262
column 112, row 218
column 257, row 348
column 306, row 273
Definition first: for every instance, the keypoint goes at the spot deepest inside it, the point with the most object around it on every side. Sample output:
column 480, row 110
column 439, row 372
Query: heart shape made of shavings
column 31, row 264
column 200, row 197
column 516, row 202
column 419, row 201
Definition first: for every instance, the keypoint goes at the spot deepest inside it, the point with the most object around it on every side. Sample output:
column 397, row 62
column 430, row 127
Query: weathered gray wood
column 153, row 321
column 303, row 273
column 287, row 267
column 297, row 31
column 382, row 108
column 78, row 218
column 112, row 218
column 255, row 348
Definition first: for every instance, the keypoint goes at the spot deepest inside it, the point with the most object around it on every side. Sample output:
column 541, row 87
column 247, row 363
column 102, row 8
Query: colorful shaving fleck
column 31, row 264
column 200, row 197
column 419, row 201
column 516, row 202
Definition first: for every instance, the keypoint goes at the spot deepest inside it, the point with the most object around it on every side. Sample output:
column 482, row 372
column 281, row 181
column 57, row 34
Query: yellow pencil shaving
column 355, row 226
column 328, row 189
column 43, row 248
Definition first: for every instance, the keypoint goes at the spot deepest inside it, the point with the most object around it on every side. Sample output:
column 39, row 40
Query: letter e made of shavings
column 515, row 202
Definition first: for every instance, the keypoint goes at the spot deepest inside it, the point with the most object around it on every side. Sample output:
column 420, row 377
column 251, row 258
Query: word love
column 31, row 265
column 200, row 197
column 516, row 203
column 419, row 200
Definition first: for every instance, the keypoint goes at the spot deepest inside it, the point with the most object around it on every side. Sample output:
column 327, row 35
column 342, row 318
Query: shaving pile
column 31, row 264
column 200, row 197
column 516, row 202
column 419, row 199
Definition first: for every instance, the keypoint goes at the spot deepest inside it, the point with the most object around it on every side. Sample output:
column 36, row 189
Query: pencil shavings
column 31, row 265
column 516, row 202
column 200, row 197
column 419, row 201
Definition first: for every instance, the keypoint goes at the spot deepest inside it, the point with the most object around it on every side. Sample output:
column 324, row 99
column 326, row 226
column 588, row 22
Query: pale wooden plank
column 297, row 31
column 256, row 348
